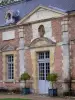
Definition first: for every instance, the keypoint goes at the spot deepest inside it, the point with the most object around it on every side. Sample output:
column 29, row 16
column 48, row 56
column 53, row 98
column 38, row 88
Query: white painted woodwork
column 43, row 86
column 7, row 35
column 43, row 70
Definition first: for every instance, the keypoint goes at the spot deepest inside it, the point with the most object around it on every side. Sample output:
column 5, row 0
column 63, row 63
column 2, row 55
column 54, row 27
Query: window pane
column 47, row 54
column 10, row 66
column 47, row 69
column 41, row 71
column 41, row 55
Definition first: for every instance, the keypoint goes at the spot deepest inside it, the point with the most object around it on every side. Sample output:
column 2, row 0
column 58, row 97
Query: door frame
column 42, row 65
column 34, row 63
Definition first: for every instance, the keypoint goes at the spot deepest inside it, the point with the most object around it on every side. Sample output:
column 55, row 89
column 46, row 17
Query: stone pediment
column 41, row 13
column 8, row 47
column 42, row 42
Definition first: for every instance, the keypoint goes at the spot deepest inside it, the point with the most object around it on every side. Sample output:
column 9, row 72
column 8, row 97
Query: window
column 9, row 16
column 41, row 71
column 43, row 64
column 10, row 66
column 43, row 55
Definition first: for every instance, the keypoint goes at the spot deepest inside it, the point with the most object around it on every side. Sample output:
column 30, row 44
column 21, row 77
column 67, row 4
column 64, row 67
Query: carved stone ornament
column 42, row 42
column 41, row 30
column 8, row 47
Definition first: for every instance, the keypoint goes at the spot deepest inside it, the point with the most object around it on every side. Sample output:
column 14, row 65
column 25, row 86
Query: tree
column 52, row 77
column 5, row 2
column 25, row 76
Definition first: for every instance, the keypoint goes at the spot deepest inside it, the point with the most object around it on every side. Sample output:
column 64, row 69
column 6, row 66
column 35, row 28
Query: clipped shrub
column 52, row 78
column 25, row 76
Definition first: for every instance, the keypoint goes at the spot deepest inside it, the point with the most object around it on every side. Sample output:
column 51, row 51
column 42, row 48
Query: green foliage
column 52, row 77
column 5, row 2
column 25, row 76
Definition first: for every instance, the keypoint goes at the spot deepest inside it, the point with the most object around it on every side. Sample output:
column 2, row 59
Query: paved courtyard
column 36, row 97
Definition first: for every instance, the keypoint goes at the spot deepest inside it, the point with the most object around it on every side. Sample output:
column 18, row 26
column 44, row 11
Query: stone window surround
column 4, row 54
column 34, row 63
column 10, row 66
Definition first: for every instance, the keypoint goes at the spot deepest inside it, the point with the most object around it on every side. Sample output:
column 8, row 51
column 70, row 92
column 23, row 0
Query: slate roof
column 26, row 7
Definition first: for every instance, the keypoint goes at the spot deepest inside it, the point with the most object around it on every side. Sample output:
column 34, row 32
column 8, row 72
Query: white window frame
column 43, row 60
column 10, row 67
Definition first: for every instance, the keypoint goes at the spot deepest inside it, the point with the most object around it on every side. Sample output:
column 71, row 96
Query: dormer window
column 9, row 16
column 12, row 17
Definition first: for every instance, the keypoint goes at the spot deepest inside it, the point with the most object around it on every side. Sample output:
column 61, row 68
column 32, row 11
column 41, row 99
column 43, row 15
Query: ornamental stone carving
column 41, row 30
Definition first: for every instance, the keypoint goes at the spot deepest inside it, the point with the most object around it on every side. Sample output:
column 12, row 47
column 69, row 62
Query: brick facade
column 28, row 36
column 56, row 29
column 3, row 49
column 28, row 61
column 58, row 62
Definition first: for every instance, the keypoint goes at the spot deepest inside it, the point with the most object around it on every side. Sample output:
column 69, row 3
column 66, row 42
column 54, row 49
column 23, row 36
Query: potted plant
column 24, row 77
column 52, row 78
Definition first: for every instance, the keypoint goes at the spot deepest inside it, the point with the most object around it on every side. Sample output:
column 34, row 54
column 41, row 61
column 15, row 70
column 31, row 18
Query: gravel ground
column 36, row 97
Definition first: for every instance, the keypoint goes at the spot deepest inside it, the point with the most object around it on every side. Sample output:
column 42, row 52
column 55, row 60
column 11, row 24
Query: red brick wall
column 14, row 43
column 28, row 62
column 72, row 50
column 57, row 34
column 28, row 34
column 10, row 85
column 17, row 66
column 58, row 61
column 72, row 59
column 27, row 38
column 72, row 27
column 56, row 29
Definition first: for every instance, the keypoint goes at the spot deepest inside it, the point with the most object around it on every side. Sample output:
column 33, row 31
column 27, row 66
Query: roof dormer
column 12, row 16
column 9, row 17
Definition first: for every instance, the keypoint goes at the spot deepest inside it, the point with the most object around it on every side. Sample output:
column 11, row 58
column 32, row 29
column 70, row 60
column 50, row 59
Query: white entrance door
column 43, row 70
